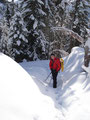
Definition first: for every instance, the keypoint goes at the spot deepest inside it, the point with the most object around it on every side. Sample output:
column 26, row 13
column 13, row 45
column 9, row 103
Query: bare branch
column 87, row 56
column 63, row 52
column 69, row 32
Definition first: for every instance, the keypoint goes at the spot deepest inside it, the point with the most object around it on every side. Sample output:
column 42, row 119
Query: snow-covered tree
column 58, row 16
column 68, row 12
column 4, row 36
column 2, row 9
column 18, row 36
column 31, row 34
column 33, row 14
column 80, row 17
column 8, row 13
column 50, row 21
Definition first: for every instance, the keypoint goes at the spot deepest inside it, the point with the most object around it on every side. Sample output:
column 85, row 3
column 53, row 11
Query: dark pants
column 54, row 75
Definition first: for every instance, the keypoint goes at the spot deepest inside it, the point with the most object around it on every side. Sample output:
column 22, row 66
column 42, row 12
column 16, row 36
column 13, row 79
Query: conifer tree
column 18, row 36
column 33, row 15
column 4, row 36
column 80, row 17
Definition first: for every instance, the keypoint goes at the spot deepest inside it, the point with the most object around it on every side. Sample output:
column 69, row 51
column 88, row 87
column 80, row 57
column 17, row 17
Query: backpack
column 62, row 64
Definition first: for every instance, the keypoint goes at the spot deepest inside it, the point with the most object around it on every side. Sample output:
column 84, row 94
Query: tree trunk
column 87, row 56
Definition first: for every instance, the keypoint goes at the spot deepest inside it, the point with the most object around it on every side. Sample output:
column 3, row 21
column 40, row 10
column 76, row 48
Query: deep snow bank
column 75, row 93
column 20, row 98
column 73, row 63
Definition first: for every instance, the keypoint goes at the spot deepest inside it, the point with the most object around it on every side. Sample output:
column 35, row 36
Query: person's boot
column 54, row 86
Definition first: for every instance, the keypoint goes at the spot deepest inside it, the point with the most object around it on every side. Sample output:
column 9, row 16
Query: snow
column 40, row 2
column 69, row 32
column 46, row 4
column 23, row 38
column 25, row 95
column 88, row 43
column 18, row 42
column 42, row 24
column 1, row 5
column 86, row 69
column 72, row 95
column 35, row 24
column 15, row 35
column 2, row 8
column 41, row 12
column 20, row 98
column 32, row 17
column 62, row 52
column 14, row 0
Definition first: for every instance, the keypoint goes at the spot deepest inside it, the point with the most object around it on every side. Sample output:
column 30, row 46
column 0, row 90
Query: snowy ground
column 26, row 96
column 20, row 98
column 72, row 95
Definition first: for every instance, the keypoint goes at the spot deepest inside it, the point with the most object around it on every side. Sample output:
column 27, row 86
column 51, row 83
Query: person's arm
column 59, row 65
column 50, row 64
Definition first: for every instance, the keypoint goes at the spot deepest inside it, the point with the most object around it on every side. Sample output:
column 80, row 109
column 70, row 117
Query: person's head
column 52, row 56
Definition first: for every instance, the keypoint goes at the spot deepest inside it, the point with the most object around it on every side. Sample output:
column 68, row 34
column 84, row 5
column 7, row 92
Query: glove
column 53, row 71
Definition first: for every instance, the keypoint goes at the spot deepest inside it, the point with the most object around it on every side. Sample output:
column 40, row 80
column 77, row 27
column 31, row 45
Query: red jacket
column 55, row 64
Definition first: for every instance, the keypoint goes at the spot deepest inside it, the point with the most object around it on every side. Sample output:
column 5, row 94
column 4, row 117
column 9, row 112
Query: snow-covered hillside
column 26, row 96
column 20, row 98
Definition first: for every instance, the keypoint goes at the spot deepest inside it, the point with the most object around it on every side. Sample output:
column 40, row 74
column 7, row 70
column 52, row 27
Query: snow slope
column 20, row 98
column 72, row 97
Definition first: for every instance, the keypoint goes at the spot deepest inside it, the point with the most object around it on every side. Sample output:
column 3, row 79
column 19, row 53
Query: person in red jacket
column 54, row 67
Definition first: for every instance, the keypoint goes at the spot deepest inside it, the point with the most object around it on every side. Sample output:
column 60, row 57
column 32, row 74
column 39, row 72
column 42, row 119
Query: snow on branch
column 69, row 32
column 43, row 36
column 63, row 52
column 54, row 42
column 87, row 69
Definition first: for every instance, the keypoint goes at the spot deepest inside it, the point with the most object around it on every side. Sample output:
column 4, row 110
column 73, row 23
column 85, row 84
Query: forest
column 33, row 29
